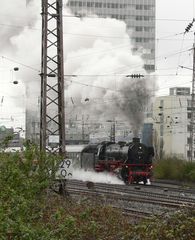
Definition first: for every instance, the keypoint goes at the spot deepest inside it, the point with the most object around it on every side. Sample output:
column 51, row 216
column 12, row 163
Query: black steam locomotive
column 132, row 161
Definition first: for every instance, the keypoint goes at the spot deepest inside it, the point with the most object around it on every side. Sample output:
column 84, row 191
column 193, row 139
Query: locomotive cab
column 139, row 162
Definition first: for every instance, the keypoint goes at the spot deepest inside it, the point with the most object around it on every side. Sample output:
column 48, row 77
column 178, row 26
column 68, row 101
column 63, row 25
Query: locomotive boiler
column 132, row 162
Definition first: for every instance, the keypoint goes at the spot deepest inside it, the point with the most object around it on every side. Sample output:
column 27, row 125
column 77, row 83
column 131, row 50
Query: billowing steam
column 80, row 174
column 132, row 102
column 98, row 57
column 14, row 19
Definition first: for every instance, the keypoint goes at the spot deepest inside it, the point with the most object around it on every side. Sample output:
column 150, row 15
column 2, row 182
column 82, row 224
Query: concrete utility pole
column 83, row 128
column 52, row 116
column 192, row 123
column 113, row 132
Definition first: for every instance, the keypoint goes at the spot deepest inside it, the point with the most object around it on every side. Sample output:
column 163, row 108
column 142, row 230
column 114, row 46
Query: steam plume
column 97, row 51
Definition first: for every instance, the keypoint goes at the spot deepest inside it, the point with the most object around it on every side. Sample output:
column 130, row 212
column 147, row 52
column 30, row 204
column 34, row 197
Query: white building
column 171, row 115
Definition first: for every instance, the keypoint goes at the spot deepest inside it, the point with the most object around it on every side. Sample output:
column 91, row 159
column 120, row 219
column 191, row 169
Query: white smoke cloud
column 17, row 22
column 80, row 174
column 99, row 48
column 14, row 16
column 98, row 52
column 20, row 43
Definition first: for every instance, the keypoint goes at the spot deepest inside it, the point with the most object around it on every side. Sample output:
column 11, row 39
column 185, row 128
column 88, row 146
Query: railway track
column 125, row 191
column 169, row 186
column 148, row 198
column 120, row 196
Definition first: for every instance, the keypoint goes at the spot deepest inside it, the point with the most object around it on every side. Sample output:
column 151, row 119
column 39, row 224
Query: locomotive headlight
column 140, row 147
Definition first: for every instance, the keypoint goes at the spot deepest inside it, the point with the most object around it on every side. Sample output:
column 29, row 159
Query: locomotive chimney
column 136, row 140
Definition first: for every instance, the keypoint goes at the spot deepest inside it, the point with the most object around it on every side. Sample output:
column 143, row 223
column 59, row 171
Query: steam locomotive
column 132, row 162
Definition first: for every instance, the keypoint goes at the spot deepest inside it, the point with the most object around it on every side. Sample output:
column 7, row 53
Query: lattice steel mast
column 52, row 117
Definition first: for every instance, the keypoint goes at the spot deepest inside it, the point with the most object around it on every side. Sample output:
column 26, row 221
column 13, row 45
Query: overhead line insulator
column 135, row 75
column 187, row 29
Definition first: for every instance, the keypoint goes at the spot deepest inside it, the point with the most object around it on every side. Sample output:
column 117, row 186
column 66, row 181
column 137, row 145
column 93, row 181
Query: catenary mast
column 52, row 116
column 192, row 121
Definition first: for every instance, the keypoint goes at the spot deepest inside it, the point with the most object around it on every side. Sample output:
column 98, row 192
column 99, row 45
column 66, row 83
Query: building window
column 189, row 140
column 148, row 29
column 146, row 40
column 146, row 18
column 138, row 29
column 147, row 7
column 138, row 18
column 114, row 5
column 115, row 16
column 149, row 67
column 189, row 103
column 98, row 5
column 189, row 115
column 139, row 7
column 189, row 154
column 143, row 7
column 73, row 3
column 188, row 128
column 122, row 5
column 123, row 17
column 138, row 39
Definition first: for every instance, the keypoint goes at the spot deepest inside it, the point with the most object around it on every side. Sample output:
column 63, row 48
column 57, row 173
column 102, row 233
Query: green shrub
column 29, row 212
column 174, row 169
column 23, row 179
column 178, row 226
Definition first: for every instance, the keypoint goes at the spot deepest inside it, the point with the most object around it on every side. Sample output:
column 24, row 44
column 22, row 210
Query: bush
column 29, row 212
column 178, row 226
column 174, row 169
column 23, row 179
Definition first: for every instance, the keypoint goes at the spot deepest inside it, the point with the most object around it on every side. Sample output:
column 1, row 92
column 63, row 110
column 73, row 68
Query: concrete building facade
column 139, row 16
column 171, row 116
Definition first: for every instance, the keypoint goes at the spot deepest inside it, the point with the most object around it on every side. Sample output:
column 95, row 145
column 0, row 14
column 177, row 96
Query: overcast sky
column 171, row 44
column 172, row 50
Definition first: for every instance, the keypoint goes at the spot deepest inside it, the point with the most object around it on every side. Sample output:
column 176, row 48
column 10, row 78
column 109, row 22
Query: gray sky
column 171, row 51
column 172, row 18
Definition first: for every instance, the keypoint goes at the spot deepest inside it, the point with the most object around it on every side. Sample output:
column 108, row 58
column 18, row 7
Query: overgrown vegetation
column 30, row 211
column 179, row 226
column 174, row 169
